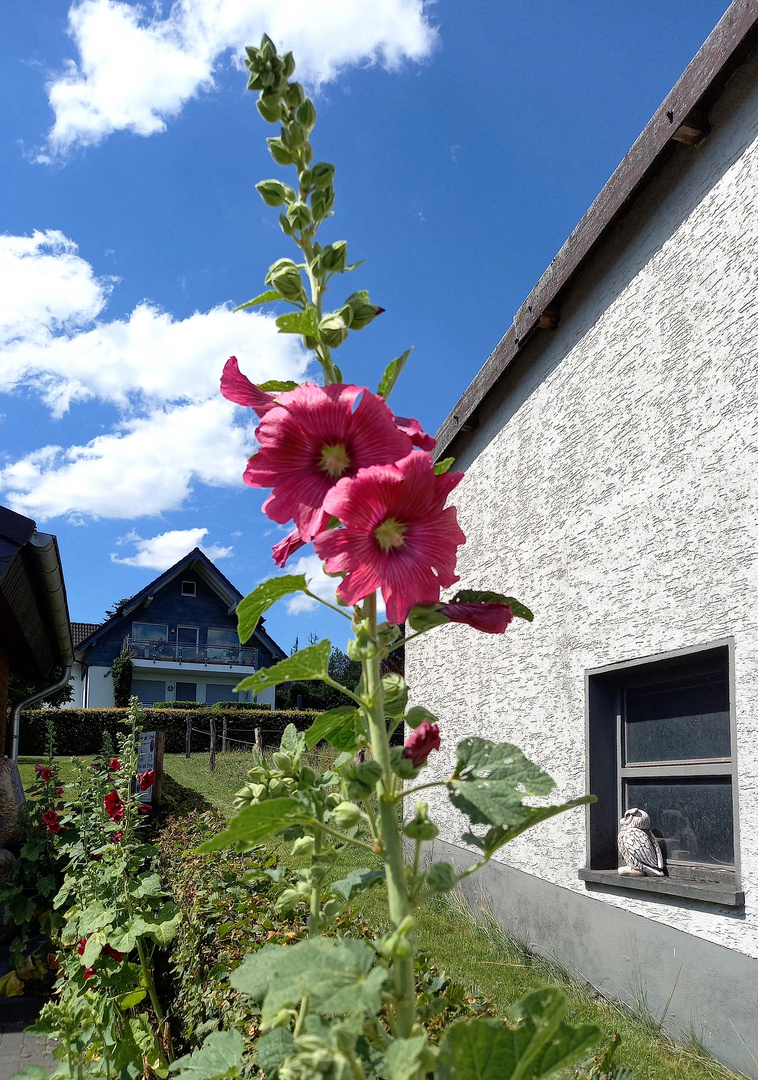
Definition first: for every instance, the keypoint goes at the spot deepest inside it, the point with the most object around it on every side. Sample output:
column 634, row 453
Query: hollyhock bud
column 490, row 618
column 89, row 972
column 81, row 946
column 114, row 807
column 147, row 779
column 114, row 765
column 421, row 742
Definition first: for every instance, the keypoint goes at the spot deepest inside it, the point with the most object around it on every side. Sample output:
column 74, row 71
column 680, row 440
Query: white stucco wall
column 615, row 491
column 99, row 685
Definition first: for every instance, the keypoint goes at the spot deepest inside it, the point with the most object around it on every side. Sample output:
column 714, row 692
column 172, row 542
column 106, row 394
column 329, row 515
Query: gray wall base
column 701, row 990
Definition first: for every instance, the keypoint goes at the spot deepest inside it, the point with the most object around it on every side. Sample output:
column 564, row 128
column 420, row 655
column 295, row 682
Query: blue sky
column 469, row 139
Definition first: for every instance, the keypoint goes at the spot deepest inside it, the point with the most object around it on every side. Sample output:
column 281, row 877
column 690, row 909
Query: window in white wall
column 186, row 691
column 661, row 737
column 149, row 691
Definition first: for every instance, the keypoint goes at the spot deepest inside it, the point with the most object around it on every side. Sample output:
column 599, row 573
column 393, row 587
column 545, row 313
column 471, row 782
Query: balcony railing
column 221, row 655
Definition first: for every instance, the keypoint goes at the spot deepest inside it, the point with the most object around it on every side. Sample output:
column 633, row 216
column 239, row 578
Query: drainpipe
column 43, row 549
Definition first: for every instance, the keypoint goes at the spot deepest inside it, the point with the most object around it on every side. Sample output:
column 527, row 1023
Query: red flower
column 80, row 947
column 315, row 436
column 59, row 791
column 114, row 765
column 95, row 858
column 108, row 950
column 114, row 808
column 115, row 837
column 45, row 774
column 146, row 808
column 89, row 972
column 147, row 779
column 50, row 818
column 237, row 387
column 421, row 742
column 491, row 618
column 398, row 536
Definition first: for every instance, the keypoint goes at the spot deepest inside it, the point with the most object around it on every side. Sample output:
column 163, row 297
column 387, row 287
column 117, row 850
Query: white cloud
column 137, row 68
column 319, row 583
column 162, row 374
column 162, row 551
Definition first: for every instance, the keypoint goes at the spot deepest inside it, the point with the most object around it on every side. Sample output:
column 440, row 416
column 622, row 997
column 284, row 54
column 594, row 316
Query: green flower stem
column 339, row 610
column 342, row 837
column 394, row 862
column 420, row 787
column 314, row 918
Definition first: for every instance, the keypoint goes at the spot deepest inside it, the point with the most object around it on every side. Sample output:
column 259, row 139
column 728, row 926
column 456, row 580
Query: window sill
column 711, row 893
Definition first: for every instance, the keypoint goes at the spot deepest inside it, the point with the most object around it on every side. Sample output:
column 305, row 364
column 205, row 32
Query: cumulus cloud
column 162, row 375
column 319, row 583
column 162, row 551
column 138, row 67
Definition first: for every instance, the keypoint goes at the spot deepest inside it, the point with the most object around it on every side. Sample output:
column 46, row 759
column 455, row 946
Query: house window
column 186, row 640
column 145, row 631
column 148, row 691
column 186, row 691
column 661, row 737
column 189, row 588
column 215, row 692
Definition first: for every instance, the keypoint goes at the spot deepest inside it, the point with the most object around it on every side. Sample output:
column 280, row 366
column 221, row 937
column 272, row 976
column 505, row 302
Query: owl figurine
column 638, row 847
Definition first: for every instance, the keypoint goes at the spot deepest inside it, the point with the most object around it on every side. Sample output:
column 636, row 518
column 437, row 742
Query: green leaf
column 31, row 1072
column 392, row 373
column 479, row 596
column 125, row 937
column 501, row 835
column 402, row 1059
column 443, row 466
column 395, row 694
column 272, row 1050
column 424, row 617
column 258, row 822
column 293, row 742
column 492, row 1050
column 278, row 386
column 310, row 663
column 357, row 881
column 491, row 779
column 263, row 298
column 416, row 716
column 261, row 599
column 128, row 1001
column 337, row 727
column 299, row 322
column 219, row 1056
column 338, row 976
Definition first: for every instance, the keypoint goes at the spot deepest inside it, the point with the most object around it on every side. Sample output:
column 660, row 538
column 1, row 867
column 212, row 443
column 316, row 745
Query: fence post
column 259, row 740
column 212, row 757
column 224, row 728
column 188, row 737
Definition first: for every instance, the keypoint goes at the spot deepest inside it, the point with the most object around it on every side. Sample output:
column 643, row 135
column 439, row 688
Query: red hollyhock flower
column 421, row 742
column 114, row 765
column 108, row 950
column 315, row 436
column 89, row 972
column 81, row 946
column 147, row 779
column 50, row 818
column 115, row 837
column 45, row 774
column 237, row 387
column 95, row 858
column 146, row 808
column 114, row 808
column 491, row 618
column 59, row 791
column 398, row 535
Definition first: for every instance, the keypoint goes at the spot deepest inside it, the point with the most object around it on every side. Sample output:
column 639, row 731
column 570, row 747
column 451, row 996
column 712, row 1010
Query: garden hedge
column 80, row 731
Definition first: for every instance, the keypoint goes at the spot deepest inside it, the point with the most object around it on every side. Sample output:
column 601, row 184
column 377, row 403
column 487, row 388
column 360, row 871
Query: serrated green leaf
column 337, row 727
column 272, row 1050
column 310, row 663
column 267, row 297
column 500, row 835
column 479, row 596
column 299, row 322
column 219, row 1056
column 392, row 372
column 278, row 386
column 491, row 779
column 261, row 599
column 357, row 881
column 402, row 1058
column 293, row 742
column 258, row 822
column 443, row 466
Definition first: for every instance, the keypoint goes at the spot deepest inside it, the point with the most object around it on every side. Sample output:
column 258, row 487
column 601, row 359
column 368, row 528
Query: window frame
column 607, row 772
column 194, row 588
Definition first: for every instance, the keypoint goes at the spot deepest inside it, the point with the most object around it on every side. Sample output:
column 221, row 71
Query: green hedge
column 80, row 731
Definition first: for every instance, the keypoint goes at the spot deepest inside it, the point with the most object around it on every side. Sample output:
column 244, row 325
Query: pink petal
column 237, row 387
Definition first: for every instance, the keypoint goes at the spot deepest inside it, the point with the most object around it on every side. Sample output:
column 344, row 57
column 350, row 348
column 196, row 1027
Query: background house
column 181, row 632
column 611, row 452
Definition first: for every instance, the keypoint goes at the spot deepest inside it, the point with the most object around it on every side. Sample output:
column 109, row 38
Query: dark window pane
column 688, row 722
column 143, row 631
column 691, row 818
column 186, row 691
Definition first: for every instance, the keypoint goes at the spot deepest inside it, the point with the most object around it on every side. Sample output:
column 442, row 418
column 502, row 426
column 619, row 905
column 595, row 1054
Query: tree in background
column 20, row 688
column 319, row 696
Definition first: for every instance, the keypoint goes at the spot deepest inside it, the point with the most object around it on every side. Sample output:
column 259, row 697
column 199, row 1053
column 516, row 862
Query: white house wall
column 97, row 691
column 615, row 492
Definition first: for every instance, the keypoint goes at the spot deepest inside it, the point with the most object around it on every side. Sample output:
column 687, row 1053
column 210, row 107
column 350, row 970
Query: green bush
column 78, row 731
column 177, row 704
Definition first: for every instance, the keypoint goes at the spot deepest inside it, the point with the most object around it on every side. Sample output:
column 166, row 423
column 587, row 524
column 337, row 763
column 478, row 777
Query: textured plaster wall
column 614, row 490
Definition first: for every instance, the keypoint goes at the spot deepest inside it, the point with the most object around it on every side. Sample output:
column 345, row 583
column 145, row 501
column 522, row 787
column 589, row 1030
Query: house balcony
column 162, row 654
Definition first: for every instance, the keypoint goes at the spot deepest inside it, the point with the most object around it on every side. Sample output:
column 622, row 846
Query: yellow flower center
column 390, row 534
column 334, row 460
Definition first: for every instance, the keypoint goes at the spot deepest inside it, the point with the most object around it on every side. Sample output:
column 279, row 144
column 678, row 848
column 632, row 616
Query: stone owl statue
column 638, row 847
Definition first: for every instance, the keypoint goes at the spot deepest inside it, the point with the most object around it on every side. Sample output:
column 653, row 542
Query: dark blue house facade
column 181, row 633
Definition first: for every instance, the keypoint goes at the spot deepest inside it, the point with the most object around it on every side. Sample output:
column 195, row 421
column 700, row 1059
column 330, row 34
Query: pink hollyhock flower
column 50, row 818
column 237, row 387
column 415, row 433
column 421, row 742
column 114, row 808
column 81, row 946
column 313, row 438
column 491, row 618
column 89, row 972
column 147, row 779
column 398, row 535
column 114, row 765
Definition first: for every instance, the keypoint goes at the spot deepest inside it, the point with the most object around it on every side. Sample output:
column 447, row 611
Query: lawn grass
column 474, row 950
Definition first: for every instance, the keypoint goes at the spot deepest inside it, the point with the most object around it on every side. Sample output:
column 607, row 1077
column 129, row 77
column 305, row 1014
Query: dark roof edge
column 700, row 85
